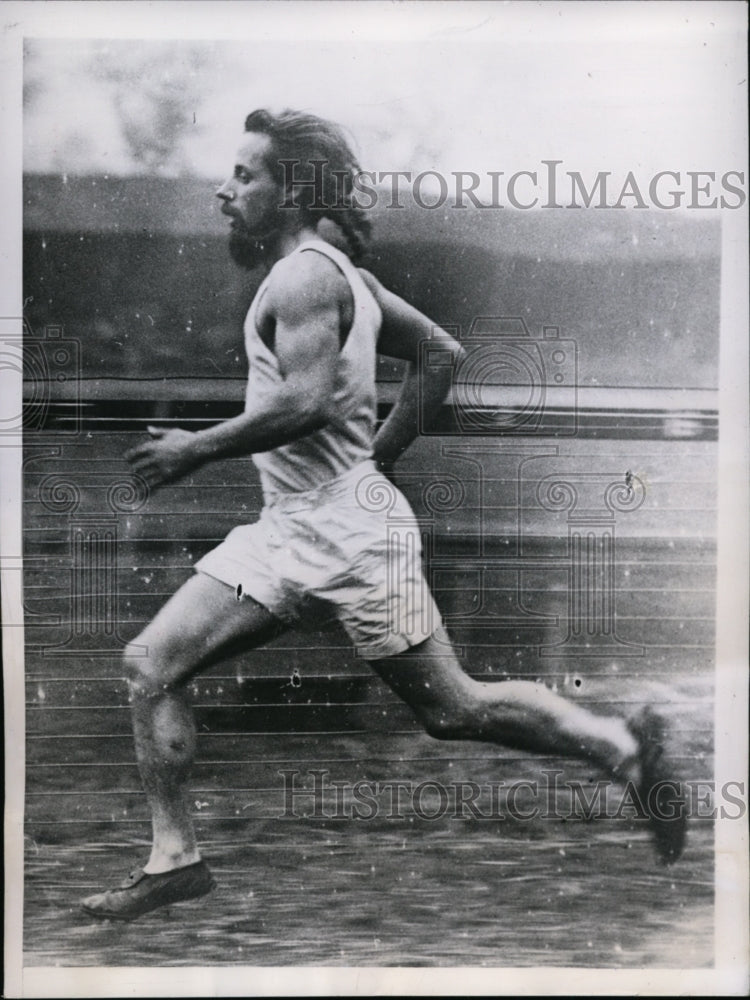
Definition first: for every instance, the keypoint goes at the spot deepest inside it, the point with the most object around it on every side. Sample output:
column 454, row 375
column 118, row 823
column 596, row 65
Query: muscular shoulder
column 306, row 282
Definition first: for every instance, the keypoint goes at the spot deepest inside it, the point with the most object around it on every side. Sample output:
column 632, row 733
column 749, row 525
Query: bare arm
column 305, row 304
column 422, row 395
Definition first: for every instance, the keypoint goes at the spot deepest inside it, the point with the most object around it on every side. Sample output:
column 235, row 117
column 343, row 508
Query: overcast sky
column 619, row 87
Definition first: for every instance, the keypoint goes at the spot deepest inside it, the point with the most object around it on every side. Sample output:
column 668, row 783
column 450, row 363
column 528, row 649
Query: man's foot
column 660, row 793
column 141, row 893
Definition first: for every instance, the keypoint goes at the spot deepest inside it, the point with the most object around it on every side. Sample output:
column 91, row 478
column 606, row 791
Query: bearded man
column 312, row 336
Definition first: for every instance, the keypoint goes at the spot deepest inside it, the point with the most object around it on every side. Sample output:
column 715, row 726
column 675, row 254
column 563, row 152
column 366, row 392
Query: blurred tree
column 156, row 93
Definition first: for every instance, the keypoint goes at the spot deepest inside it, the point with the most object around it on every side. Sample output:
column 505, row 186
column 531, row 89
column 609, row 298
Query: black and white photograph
column 374, row 451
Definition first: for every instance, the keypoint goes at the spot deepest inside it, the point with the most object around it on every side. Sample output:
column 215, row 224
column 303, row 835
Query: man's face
column 250, row 198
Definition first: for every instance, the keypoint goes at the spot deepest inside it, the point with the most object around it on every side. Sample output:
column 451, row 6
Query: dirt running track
column 495, row 889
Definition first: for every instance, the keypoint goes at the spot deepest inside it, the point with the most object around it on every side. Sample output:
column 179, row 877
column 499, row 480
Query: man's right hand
column 169, row 455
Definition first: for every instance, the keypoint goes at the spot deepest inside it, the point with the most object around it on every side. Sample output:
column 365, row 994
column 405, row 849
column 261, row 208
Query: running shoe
column 660, row 792
column 140, row 892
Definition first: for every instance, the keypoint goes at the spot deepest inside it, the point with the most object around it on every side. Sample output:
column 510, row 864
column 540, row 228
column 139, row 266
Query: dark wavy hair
column 306, row 138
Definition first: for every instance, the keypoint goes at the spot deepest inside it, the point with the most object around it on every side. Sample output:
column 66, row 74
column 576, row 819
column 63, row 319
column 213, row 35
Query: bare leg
column 164, row 731
column 519, row 714
column 198, row 626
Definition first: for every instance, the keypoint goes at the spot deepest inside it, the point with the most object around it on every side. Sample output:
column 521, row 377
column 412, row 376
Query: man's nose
column 225, row 192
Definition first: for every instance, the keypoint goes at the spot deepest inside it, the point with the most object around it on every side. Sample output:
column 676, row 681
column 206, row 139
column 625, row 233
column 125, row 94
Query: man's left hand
column 169, row 455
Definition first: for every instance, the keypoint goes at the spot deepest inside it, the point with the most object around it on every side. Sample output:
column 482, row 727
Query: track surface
column 387, row 891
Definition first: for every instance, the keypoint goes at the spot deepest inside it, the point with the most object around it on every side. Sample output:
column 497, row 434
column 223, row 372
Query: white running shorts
column 352, row 545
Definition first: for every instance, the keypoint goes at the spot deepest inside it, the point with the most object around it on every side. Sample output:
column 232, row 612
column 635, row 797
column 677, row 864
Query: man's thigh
column 199, row 625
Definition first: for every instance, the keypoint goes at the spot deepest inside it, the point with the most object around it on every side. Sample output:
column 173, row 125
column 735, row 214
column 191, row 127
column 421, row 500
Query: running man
column 312, row 334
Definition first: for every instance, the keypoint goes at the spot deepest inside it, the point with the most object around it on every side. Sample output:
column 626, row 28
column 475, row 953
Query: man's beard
column 249, row 251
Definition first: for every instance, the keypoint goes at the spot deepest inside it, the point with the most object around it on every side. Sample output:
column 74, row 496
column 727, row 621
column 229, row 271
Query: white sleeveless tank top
column 346, row 440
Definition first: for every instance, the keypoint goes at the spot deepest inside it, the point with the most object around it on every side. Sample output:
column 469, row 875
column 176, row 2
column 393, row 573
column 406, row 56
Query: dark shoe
column 660, row 793
column 141, row 893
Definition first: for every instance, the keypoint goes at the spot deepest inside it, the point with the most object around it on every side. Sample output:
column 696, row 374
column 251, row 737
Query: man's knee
column 447, row 722
column 146, row 670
